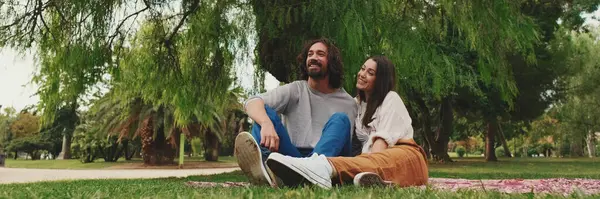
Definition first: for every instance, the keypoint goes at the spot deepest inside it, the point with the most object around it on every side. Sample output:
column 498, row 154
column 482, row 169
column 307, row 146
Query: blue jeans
column 335, row 140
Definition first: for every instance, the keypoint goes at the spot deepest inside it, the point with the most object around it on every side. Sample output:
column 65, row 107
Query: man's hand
column 379, row 145
column 268, row 137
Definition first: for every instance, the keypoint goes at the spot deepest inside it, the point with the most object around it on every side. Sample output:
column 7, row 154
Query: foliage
column 25, row 125
column 571, row 119
column 81, row 43
column 196, row 146
column 499, row 152
column 460, row 151
column 168, row 63
column 32, row 145
column 6, row 118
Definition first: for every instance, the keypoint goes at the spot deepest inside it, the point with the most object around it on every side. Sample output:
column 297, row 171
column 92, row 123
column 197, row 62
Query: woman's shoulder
column 391, row 98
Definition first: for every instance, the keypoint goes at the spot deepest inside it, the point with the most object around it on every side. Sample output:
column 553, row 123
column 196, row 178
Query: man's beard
column 316, row 74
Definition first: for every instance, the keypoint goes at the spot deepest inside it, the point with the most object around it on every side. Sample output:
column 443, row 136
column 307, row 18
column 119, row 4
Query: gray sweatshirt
column 307, row 110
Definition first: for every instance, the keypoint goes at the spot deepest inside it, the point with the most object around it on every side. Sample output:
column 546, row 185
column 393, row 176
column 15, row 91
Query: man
column 319, row 115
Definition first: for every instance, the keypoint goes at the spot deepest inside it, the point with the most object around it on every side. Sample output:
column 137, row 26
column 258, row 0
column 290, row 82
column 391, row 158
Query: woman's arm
column 391, row 123
column 379, row 145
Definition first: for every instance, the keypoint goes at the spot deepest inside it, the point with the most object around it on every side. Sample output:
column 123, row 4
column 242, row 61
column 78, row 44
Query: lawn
column 98, row 164
column 526, row 168
column 473, row 168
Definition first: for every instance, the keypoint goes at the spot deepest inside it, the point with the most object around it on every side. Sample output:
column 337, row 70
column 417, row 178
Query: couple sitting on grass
column 315, row 145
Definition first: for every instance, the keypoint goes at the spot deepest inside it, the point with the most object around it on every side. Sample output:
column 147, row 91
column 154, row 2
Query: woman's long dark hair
column 335, row 66
column 385, row 81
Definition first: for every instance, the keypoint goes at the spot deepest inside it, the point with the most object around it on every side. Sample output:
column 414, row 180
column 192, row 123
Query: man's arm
column 255, row 108
column 277, row 99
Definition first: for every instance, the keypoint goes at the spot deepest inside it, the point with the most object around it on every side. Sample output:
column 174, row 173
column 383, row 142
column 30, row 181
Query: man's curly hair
column 335, row 67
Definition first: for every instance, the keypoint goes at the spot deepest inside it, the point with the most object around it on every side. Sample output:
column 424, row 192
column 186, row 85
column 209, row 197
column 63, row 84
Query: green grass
column 61, row 164
column 473, row 168
column 175, row 188
column 98, row 164
column 527, row 168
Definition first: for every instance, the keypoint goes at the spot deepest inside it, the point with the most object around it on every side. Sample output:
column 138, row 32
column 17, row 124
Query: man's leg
column 251, row 156
column 335, row 140
column 285, row 143
column 404, row 165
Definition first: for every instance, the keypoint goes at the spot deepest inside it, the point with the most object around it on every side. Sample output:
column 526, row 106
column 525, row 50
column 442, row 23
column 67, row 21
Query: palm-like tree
column 157, row 128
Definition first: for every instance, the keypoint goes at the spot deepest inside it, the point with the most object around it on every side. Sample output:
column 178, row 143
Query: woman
column 389, row 153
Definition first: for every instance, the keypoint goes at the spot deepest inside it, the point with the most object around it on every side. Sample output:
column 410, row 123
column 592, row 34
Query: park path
column 18, row 175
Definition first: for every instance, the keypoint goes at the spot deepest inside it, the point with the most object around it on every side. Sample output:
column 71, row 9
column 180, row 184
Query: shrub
column 196, row 146
column 531, row 152
column 460, row 150
column 499, row 152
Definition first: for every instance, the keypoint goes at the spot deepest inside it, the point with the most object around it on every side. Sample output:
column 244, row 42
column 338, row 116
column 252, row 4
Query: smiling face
column 316, row 61
column 365, row 80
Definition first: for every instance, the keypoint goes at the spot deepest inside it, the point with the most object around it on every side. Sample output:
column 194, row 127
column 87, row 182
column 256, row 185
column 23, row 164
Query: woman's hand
column 379, row 145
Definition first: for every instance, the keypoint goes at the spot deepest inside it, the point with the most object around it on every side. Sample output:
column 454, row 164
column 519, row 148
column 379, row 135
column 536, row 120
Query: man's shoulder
column 299, row 82
column 346, row 98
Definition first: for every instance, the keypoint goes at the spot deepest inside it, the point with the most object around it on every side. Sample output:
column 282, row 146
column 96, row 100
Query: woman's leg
column 403, row 164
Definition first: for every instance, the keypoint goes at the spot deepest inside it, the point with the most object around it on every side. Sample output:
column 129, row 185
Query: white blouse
column 391, row 122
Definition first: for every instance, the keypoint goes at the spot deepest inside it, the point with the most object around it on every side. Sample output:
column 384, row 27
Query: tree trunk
column 125, row 143
column 503, row 140
column 591, row 147
column 443, row 136
column 577, row 147
column 65, row 153
column 211, row 146
column 425, row 146
column 490, row 151
column 438, row 145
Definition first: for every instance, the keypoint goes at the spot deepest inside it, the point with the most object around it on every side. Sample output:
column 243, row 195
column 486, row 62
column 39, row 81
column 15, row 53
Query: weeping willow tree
column 170, row 54
column 437, row 46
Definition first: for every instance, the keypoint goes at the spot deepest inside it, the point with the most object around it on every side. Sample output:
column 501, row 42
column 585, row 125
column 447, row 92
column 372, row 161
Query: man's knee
column 342, row 118
column 272, row 114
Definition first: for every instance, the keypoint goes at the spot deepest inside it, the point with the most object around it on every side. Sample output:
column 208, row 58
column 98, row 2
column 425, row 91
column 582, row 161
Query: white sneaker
column 249, row 158
column 297, row 171
column 370, row 179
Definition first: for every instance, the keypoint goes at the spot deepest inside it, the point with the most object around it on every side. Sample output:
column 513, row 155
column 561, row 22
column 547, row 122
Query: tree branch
column 168, row 42
column 192, row 9
column 46, row 26
column 118, row 30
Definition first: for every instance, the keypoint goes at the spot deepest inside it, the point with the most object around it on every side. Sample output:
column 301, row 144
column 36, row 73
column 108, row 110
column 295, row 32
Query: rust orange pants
column 404, row 164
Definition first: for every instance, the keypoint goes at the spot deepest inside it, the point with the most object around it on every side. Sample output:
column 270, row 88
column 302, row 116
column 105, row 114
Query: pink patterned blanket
column 552, row 186
column 538, row 186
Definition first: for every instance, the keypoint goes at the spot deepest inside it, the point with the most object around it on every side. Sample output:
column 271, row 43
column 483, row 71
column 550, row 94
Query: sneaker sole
column 291, row 175
column 249, row 159
column 368, row 179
